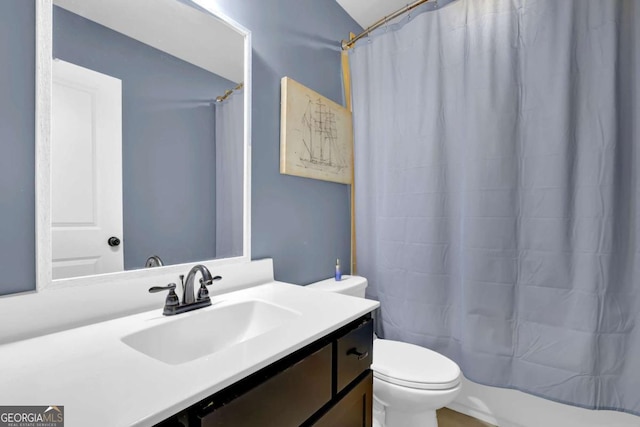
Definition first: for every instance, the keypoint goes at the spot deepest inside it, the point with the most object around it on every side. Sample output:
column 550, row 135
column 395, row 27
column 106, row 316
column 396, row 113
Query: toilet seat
column 412, row 366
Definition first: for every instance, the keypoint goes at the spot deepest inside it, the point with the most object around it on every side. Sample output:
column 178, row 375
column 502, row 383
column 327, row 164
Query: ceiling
column 173, row 27
column 366, row 12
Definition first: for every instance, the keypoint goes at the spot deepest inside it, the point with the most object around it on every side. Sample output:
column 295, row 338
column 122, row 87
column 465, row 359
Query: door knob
column 113, row 241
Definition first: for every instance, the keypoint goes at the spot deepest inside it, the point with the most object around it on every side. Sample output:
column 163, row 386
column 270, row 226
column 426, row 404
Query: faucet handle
column 169, row 287
column 172, row 302
column 204, row 283
column 203, row 293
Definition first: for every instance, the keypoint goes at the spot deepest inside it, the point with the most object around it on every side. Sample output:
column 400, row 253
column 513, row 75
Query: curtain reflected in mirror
column 229, row 172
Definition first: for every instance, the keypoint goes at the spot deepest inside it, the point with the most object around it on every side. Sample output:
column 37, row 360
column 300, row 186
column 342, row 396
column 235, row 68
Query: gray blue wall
column 168, row 133
column 302, row 224
column 17, row 148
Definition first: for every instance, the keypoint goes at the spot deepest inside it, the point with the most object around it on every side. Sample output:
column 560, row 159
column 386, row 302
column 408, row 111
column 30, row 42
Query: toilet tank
column 349, row 285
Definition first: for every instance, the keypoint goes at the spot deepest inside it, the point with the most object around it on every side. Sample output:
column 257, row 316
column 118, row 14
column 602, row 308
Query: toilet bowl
column 409, row 382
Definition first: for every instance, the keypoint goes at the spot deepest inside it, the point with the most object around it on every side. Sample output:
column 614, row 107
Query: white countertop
column 103, row 382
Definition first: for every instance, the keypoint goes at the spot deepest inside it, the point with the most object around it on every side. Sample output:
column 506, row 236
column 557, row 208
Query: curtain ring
column 386, row 24
column 408, row 13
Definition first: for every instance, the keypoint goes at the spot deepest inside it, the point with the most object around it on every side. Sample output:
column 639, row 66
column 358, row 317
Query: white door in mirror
column 86, row 172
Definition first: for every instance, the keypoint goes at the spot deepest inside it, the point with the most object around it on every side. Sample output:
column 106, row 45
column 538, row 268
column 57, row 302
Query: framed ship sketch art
column 316, row 135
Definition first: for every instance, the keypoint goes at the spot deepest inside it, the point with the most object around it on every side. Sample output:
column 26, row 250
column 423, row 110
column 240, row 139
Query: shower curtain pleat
column 497, row 146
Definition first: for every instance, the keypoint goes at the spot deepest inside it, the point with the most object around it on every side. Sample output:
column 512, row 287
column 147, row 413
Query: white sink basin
column 202, row 332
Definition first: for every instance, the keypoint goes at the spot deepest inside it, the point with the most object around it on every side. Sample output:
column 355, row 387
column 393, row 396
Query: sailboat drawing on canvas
column 316, row 135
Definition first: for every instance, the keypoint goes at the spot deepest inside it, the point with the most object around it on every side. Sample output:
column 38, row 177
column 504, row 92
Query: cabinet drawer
column 286, row 399
column 354, row 354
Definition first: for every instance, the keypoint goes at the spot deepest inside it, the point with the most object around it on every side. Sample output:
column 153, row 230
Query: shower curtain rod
column 227, row 93
column 346, row 45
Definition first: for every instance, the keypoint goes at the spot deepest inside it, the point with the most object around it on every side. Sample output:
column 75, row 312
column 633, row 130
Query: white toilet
column 409, row 382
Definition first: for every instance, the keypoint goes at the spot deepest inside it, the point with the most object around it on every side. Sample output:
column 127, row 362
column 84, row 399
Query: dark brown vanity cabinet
column 354, row 409
column 285, row 399
column 327, row 383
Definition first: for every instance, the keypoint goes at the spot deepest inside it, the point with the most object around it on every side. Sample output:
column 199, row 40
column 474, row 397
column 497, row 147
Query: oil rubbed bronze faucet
column 189, row 302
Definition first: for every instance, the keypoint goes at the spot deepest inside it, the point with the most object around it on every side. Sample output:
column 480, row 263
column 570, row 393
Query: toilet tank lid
column 347, row 283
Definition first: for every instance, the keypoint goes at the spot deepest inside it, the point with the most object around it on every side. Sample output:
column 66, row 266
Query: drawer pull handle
column 355, row 352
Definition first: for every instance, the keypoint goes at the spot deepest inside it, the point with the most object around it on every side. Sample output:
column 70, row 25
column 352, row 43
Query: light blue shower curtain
column 497, row 147
column 229, row 175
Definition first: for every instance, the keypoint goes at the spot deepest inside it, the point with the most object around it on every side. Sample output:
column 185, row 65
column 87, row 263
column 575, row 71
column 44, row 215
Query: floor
column 449, row 418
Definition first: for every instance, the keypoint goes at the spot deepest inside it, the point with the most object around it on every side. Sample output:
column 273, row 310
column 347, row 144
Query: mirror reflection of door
column 86, row 177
